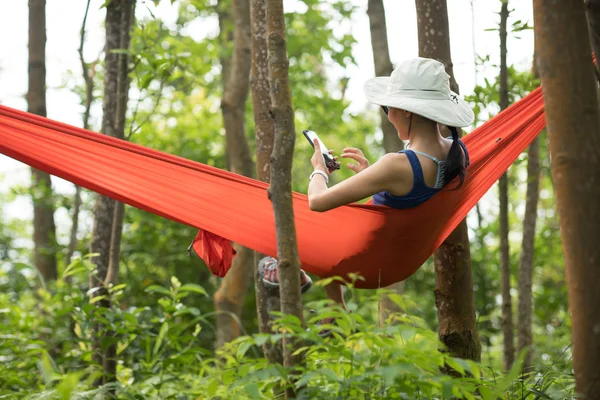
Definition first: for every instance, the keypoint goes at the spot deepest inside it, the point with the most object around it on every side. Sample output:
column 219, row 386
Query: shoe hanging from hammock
column 381, row 244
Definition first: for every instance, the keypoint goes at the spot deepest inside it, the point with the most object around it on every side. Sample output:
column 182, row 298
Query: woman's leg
column 334, row 291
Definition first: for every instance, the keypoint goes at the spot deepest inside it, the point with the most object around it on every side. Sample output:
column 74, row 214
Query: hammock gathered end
column 380, row 244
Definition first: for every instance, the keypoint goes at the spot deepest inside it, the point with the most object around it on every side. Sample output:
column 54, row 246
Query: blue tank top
column 420, row 192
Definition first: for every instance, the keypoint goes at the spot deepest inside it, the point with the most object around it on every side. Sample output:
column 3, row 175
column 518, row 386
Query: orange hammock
column 382, row 245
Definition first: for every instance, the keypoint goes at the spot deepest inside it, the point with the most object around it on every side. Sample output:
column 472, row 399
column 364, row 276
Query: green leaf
column 192, row 287
column 175, row 283
column 130, row 318
column 213, row 386
column 197, row 330
column 96, row 299
column 447, row 389
column 455, row 365
column 145, row 81
column 158, row 289
column 161, row 336
column 47, row 369
column 486, row 393
column 513, row 374
column 330, row 374
column 118, row 287
column 68, row 385
column 242, row 349
column 252, row 390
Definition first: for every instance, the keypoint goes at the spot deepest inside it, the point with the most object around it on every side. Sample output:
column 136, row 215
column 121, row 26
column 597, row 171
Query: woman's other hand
column 317, row 160
column 357, row 155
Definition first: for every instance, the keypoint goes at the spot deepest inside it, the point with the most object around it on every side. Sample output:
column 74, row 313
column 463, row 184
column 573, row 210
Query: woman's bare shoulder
column 396, row 165
column 398, row 173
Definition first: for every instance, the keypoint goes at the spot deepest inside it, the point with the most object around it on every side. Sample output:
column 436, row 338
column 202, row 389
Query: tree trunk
column 74, row 226
column 527, row 253
column 281, row 177
column 434, row 34
column 383, row 67
column 507, row 313
column 525, row 303
column 229, row 298
column 454, row 298
column 87, row 102
column 44, row 231
column 391, row 141
column 593, row 18
column 266, row 301
column 573, row 125
column 108, row 217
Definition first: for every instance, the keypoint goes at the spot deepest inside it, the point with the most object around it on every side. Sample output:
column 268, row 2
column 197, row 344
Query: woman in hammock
column 419, row 103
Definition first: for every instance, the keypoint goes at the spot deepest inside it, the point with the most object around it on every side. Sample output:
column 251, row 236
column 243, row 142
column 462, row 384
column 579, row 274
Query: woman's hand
column 358, row 156
column 317, row 160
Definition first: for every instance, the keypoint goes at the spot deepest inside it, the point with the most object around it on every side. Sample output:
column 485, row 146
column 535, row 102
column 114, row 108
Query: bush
column 45, row 349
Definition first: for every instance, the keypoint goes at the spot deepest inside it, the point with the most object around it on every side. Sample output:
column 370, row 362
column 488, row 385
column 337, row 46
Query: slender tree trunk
column 391, row 141
column 108, row 217
column 454, row 298
column 525, row 303
column 528, row 252
column 229, row 299
column 434, row 34
column 383, row 67
column 507, row 313
column 573, row 125
column 281, row 177
column 74, row 226
column 44, row 231
column 266, row 301
column 87, row 102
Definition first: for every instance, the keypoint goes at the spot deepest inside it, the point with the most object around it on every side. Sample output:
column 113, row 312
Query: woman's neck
column 424, row 136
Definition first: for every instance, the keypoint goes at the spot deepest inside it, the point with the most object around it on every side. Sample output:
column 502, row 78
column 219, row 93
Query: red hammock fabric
column 382, row 245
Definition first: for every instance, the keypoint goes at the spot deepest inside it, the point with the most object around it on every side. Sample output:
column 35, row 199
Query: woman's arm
column 376, row 178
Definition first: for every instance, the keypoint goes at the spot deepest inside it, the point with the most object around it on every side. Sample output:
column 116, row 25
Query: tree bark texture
column 433, row 33
column 280, row 191
column 455, row 302
column 457, row 327
column 507, row 313
column 229, row 298
column 108, row 216
column 525, row 307
column 74, row 225
column 391, row 141
column 87, row 102
column 266, row 301
column 383, row 67
column 44, row 230
column 593, row 18
column 572, row 116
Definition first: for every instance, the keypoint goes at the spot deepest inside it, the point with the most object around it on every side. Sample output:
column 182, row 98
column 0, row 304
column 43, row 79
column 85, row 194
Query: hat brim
column 451, row 112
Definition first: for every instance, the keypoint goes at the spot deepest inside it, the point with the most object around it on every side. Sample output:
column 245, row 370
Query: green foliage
column 45, row 348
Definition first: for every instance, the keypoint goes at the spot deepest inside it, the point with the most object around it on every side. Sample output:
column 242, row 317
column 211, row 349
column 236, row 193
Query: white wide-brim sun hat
column 422, row 86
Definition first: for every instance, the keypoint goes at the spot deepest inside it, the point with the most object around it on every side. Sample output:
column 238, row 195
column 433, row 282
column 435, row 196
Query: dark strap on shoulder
column 416, row 167
column 467, row 161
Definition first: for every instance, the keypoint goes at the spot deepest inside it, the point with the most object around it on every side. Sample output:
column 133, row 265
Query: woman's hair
column 455, row 163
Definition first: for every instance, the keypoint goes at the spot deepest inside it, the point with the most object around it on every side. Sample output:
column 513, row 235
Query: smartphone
column 329, row 161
